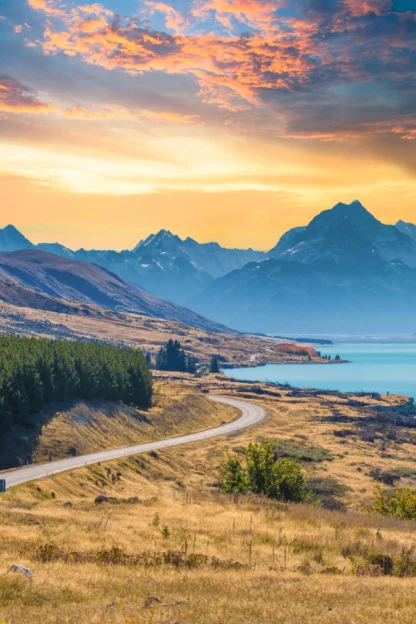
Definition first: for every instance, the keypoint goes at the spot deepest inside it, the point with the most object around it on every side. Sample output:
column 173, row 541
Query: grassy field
column 206, row 559
column 93, row 323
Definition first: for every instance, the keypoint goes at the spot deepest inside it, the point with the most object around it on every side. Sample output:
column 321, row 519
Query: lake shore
column 372, row 368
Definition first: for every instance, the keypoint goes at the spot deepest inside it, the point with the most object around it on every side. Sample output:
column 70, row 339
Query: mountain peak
column 160, row 239
column 357, row 217
column 12, row 240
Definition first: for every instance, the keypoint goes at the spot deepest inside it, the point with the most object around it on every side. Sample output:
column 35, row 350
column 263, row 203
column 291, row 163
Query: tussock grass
column 276, row 562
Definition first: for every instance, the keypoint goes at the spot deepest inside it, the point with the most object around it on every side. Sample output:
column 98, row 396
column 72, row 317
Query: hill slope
column 72, row 280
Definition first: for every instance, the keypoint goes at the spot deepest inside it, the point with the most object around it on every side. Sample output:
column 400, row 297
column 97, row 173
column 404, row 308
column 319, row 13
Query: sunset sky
column 227, row 120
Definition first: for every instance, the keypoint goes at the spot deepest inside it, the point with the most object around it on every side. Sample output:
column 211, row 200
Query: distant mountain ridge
column 407, row 228
column 34, row 271
column 343, row 272
column 163, row 263
column 12, row 240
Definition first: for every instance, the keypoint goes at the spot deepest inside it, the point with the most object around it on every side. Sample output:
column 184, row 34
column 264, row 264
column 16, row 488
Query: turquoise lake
column 371, row 368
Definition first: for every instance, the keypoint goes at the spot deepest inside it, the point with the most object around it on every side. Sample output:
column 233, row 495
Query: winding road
column 250, row 415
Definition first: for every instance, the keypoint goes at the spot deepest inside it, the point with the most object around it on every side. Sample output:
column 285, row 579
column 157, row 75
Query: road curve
column 250, row 415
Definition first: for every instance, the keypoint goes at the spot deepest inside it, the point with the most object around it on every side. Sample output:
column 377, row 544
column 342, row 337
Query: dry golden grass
column 297, row 563
column 294, row 561
column 144, row 333
column 87, row 427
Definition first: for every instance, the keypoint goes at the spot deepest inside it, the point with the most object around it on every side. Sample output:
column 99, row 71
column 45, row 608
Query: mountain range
column 41, row 280
column 163, row 263
column 344, row 272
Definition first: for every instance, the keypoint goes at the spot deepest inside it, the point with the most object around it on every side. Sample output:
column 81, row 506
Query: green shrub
column 326, row 491
column 399, row 504
column 262, row 474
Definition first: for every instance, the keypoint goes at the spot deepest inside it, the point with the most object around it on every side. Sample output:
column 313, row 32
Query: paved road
column 250, row 415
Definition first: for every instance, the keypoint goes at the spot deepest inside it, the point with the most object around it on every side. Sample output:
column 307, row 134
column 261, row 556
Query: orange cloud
column 172, row 117
column 17, row 99
column 48, row 6
column 281, row 56
column 240, row 66
column 174, row 20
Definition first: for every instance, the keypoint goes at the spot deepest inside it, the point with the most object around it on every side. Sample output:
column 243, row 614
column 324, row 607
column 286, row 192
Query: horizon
column 182, row 237
column 227, row 121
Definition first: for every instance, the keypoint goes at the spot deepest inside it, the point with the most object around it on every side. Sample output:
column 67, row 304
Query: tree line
column 35, row 371
column 172, row 357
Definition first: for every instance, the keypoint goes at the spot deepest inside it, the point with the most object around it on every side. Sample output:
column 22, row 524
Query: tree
column 289, row 481
column 260, row 467
column 171, row 357
column 213, row 367
column 191, row 365
column 233, row 478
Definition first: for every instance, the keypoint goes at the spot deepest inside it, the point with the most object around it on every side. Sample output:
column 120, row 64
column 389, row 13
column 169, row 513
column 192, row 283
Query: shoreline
column 289, row 362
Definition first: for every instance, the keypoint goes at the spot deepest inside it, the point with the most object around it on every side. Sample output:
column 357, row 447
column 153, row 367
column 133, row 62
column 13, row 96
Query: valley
column 67, row 320
column 207, row 312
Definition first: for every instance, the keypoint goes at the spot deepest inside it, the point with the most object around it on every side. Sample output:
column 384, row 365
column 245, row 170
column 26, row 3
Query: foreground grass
column 258, row 562
column 207, row 559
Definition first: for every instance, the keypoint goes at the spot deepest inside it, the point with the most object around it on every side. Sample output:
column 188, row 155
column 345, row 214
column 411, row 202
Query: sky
column 226, row 120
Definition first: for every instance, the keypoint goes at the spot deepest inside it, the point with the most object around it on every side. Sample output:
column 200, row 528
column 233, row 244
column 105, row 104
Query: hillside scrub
column 296, row 349
column 279, row 479
column 35, row 372
column 399, row 504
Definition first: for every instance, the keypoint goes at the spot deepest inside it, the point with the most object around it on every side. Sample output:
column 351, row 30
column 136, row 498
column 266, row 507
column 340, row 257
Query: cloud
column 170, row 117
column 48, row 6
column 257, row 57
column 16, row 98
column 358, row 8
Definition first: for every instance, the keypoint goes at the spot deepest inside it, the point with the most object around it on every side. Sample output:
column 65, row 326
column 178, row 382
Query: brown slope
column 59, row 278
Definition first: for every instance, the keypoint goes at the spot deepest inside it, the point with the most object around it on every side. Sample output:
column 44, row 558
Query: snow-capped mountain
column 345, row 272
column 210, row 258
column 57, row 249
column 163, row 264
column 346, row 233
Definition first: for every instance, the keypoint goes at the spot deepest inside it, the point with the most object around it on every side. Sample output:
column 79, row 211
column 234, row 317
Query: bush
column 384, row 562
column 400, row 504
column 325, row 491
column 262, row 474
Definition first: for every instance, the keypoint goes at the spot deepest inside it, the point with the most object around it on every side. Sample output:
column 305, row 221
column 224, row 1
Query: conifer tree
column 213, row 367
